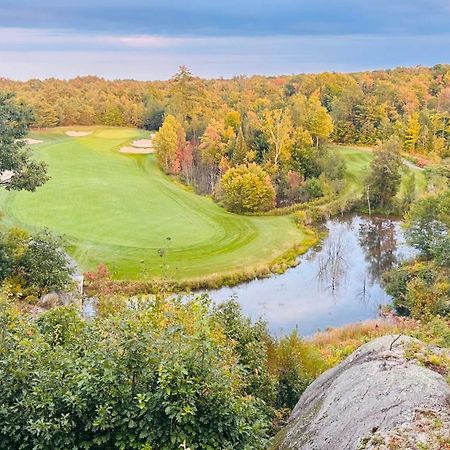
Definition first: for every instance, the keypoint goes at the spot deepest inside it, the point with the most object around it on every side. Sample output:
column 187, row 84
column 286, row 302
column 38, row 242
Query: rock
column 53, row 299
column 375, row 399
column 50, row 300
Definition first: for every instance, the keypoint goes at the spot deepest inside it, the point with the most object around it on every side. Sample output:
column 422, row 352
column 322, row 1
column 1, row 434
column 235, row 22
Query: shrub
column 419, row 289
column 313, row 188
column 37, row 262
column 302, row 218
column 247, row 189
column 158, row 377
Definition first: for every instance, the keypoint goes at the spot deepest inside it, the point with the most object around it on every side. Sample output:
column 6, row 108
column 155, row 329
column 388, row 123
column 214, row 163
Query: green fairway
column 121, row 210
column 357, row 161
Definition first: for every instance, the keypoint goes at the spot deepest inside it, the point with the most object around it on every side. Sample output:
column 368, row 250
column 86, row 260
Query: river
column 333, row 285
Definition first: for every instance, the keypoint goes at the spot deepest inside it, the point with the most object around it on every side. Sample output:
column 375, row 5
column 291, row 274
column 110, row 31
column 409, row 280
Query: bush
column 157, row 377
column 302, row 218
column 313, row 188
column 419, row 289
column 35, row 261
column 246, row 189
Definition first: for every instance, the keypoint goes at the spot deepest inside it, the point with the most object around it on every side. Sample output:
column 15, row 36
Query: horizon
column 252, row 75
column 148, row 40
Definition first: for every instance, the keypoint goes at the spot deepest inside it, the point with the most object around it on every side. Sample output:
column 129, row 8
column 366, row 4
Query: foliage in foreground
column 147, row 374
column 152, row 374
column 31, row 265
column 155, row 378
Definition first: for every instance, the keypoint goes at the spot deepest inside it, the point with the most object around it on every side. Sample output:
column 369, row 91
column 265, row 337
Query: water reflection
column 378, row 238
column 335, row 284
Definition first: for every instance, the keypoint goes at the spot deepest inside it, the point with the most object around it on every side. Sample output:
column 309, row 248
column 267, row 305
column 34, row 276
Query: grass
column 358, row 163
column 121, row 210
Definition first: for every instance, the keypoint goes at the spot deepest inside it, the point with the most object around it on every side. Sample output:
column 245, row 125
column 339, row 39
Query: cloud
column 231, row 18
column 145, row 41
column 36, row 38
column 216, row 57
column 150, row 38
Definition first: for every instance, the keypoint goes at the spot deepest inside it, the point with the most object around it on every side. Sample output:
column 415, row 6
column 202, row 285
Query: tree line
column 410, row 103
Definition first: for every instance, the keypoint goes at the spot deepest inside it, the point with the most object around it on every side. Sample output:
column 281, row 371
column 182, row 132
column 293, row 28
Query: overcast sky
column 149, row 39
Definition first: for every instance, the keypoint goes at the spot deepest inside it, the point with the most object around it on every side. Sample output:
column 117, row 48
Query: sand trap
column 142, row 143
column 78, row 133
column 6, row 176
column 136, row 150
column 30, row 141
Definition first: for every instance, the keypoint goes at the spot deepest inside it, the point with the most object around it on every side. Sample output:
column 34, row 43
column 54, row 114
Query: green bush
column 153, row 378
column 34, row 261
column 419, row 289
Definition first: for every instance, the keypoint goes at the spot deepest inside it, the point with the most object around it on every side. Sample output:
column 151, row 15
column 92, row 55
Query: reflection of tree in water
column 377, row 237
column 332, row 264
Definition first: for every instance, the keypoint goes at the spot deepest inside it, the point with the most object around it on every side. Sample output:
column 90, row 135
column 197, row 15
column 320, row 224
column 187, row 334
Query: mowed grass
column 121, row 210
column 358, row 160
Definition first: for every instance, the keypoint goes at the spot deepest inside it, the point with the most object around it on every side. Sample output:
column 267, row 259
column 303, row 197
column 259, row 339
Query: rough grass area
column 121, row 210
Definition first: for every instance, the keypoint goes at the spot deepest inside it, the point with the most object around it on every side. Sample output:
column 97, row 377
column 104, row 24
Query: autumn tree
column 17, row 169
column 166, row 142
column 212, row 150
column 318, row 121
column 247, row 189
column 277, row 127
column 412, row 133
column 239, row 149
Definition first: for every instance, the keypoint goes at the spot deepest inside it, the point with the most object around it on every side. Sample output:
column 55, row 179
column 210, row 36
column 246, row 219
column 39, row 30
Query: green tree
column 427, row 227
column 188, row 101
column 17, row 170
column 44, row 263
column 383, row 181
column 245, row 189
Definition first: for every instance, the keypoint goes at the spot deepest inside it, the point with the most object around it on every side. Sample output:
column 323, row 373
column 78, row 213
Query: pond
column 333, row 285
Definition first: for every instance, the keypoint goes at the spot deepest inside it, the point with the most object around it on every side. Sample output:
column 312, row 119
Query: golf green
column 121, row 210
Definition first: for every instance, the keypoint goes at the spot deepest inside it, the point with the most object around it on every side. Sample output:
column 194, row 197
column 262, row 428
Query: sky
column 149, row 39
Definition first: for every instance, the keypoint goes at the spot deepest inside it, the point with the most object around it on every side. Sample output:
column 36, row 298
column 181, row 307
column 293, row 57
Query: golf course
column 357, row 162
column 122, row 210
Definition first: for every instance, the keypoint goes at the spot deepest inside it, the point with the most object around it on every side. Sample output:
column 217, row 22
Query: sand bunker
column 6, row 176
column 142, row 143
column 136, row 150
column 140, row 146
column 78, row 133
column 30, row 141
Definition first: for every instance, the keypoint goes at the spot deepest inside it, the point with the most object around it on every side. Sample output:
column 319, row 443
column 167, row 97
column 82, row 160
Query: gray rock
column 49, row 300
column 374, row 395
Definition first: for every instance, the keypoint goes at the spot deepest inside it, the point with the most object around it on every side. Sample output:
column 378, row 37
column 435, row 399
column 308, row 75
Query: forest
column 265, row 138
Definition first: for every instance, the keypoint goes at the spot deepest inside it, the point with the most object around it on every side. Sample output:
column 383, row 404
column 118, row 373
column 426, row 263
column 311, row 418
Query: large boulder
column 380, row 397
